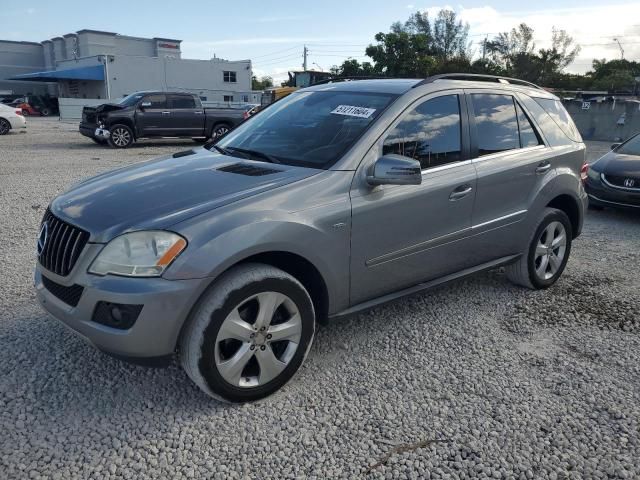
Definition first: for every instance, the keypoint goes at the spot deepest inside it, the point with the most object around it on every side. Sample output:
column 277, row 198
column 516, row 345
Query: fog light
column 116, row 315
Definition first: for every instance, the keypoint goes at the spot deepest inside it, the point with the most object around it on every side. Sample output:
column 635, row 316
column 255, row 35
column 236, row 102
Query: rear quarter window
column 560, row 116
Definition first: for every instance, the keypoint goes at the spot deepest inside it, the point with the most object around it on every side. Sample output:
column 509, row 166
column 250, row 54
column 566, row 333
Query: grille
column 618, row 181
column 69, row 295
column 249, row 170
column 62, row 245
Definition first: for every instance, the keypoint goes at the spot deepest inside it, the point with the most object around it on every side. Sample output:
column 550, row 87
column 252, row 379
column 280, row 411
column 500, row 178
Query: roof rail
column 478, row 78
column 346, row 79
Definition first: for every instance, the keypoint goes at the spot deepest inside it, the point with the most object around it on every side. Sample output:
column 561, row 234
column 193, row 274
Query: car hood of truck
column 160, row 193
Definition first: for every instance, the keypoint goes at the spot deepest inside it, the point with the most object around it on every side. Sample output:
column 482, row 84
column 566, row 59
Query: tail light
column 584, row 171
column 19, row 112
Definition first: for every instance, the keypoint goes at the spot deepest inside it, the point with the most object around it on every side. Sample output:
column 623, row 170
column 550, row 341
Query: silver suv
column 335, row 199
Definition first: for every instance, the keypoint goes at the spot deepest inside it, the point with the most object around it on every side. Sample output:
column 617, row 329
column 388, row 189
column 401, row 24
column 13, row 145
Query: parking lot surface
column 475, row 379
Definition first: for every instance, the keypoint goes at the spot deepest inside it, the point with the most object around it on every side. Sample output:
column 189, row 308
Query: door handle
column 543, row 167
column 460, row 192
column 166, row 113
column 198, row 112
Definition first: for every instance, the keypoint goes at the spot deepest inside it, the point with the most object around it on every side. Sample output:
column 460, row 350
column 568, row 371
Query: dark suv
column 334, row 199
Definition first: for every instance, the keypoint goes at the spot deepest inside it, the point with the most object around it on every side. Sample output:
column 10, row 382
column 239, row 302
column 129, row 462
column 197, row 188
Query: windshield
column 130, row 100
column 311, row 129
column 630, row 147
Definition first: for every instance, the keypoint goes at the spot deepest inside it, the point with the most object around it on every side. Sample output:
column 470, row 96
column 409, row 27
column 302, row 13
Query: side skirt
column 423, row 286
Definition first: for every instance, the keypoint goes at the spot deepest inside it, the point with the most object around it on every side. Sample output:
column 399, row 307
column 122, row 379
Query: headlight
column 593, row 174
column 139, row 254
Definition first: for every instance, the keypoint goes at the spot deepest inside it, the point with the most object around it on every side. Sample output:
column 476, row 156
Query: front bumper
column 93, row 131
column 606, row 196
column 165, row 307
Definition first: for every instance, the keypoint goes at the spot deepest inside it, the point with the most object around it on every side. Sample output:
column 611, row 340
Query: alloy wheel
column 550, row 250
column 258, row 339
column 4, row 127
column 121, row 137
column 220, row 131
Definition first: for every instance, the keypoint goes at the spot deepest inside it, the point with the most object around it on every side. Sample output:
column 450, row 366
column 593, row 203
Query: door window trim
column 473, row 132
column 464, row 128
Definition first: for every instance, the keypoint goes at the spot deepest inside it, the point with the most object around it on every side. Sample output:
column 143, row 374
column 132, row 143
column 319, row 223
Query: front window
column 229, row 77
column 311, row 129
column 130, row 100
column 429, row 133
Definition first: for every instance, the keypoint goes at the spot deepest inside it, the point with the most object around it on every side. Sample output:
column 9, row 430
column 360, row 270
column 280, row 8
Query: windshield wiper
column 222, row 150
column 255, row 154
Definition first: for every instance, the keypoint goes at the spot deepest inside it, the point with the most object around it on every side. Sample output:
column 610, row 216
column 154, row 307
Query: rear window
column 560, row 115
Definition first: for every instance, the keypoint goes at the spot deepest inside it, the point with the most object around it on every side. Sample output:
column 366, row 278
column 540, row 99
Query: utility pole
column 305, row 51
column 484, row 47
column 621, row 49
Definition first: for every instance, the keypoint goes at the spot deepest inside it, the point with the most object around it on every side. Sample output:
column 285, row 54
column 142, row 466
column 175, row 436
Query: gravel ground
column 480, row 379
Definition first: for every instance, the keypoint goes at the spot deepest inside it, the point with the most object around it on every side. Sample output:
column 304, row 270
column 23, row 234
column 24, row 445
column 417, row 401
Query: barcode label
column 351, row 111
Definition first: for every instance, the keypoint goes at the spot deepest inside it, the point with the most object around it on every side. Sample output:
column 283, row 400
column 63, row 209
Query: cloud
column 592, row 27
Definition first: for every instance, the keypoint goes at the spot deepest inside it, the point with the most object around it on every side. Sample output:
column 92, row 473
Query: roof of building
column 87, row 30
column 19, row 42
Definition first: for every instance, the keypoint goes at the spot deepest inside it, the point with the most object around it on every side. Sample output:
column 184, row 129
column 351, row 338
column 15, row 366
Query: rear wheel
column 5, row 126
column 220, row 130
column 249, row 335
column 120, row 136
column 548, row 253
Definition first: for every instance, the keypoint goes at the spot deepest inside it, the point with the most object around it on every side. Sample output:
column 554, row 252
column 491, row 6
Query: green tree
column 262, row 83
column 353, row 68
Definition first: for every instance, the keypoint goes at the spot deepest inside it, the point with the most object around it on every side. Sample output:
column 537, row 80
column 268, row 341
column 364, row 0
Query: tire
column 224, row 330
column 537, row 269
column 219, row 130
column 5, row 126
column 25, row 112
column 120, row 136
column 45, row 112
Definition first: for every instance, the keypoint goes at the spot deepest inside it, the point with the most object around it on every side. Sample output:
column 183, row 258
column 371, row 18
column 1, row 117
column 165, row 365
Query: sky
column 272, row 34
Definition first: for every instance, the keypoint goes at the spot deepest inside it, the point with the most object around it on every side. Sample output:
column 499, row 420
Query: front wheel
column 120, row 136
column 249, row 334
column 548, row 252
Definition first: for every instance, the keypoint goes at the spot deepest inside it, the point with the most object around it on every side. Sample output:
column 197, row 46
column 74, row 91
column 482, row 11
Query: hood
column 105, row 107
column 618, row 164
column 159, row 193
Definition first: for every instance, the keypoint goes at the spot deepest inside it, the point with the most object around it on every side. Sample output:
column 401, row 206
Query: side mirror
column 615, row 145
column 395, row 170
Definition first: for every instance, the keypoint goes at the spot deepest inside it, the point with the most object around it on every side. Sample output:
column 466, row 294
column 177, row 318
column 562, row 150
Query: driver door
column 406, row 234
column 152, row 115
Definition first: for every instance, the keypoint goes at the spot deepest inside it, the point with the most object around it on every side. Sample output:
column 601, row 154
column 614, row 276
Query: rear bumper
column 18, row 122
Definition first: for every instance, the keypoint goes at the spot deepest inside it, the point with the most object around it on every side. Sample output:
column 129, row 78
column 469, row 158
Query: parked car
column 344, row 196
column 156, row 114
column 25, row 108
column 614, row 179
column 11, row 118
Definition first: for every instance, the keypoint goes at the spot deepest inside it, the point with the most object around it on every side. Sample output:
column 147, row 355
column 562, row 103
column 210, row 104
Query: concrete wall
column 203, row 77
column 17, row 58
column 606, row 121
column 71, row 108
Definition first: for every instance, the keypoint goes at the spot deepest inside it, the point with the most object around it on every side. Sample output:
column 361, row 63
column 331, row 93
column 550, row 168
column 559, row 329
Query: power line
column 276, row 60
column 276, row 52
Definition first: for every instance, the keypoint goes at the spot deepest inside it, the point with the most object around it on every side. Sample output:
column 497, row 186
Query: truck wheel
column 249, row 334
column 547, row 254
column 120, row 136
column 45, row 112
column 220, row 130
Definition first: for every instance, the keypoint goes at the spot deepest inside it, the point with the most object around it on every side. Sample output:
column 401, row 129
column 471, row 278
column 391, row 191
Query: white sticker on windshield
column 352, row 111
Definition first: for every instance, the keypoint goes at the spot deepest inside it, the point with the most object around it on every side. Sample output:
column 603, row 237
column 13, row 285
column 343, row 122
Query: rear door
column 405, row 234
column 511, row 162
column 152, row 116
column 187, row 116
